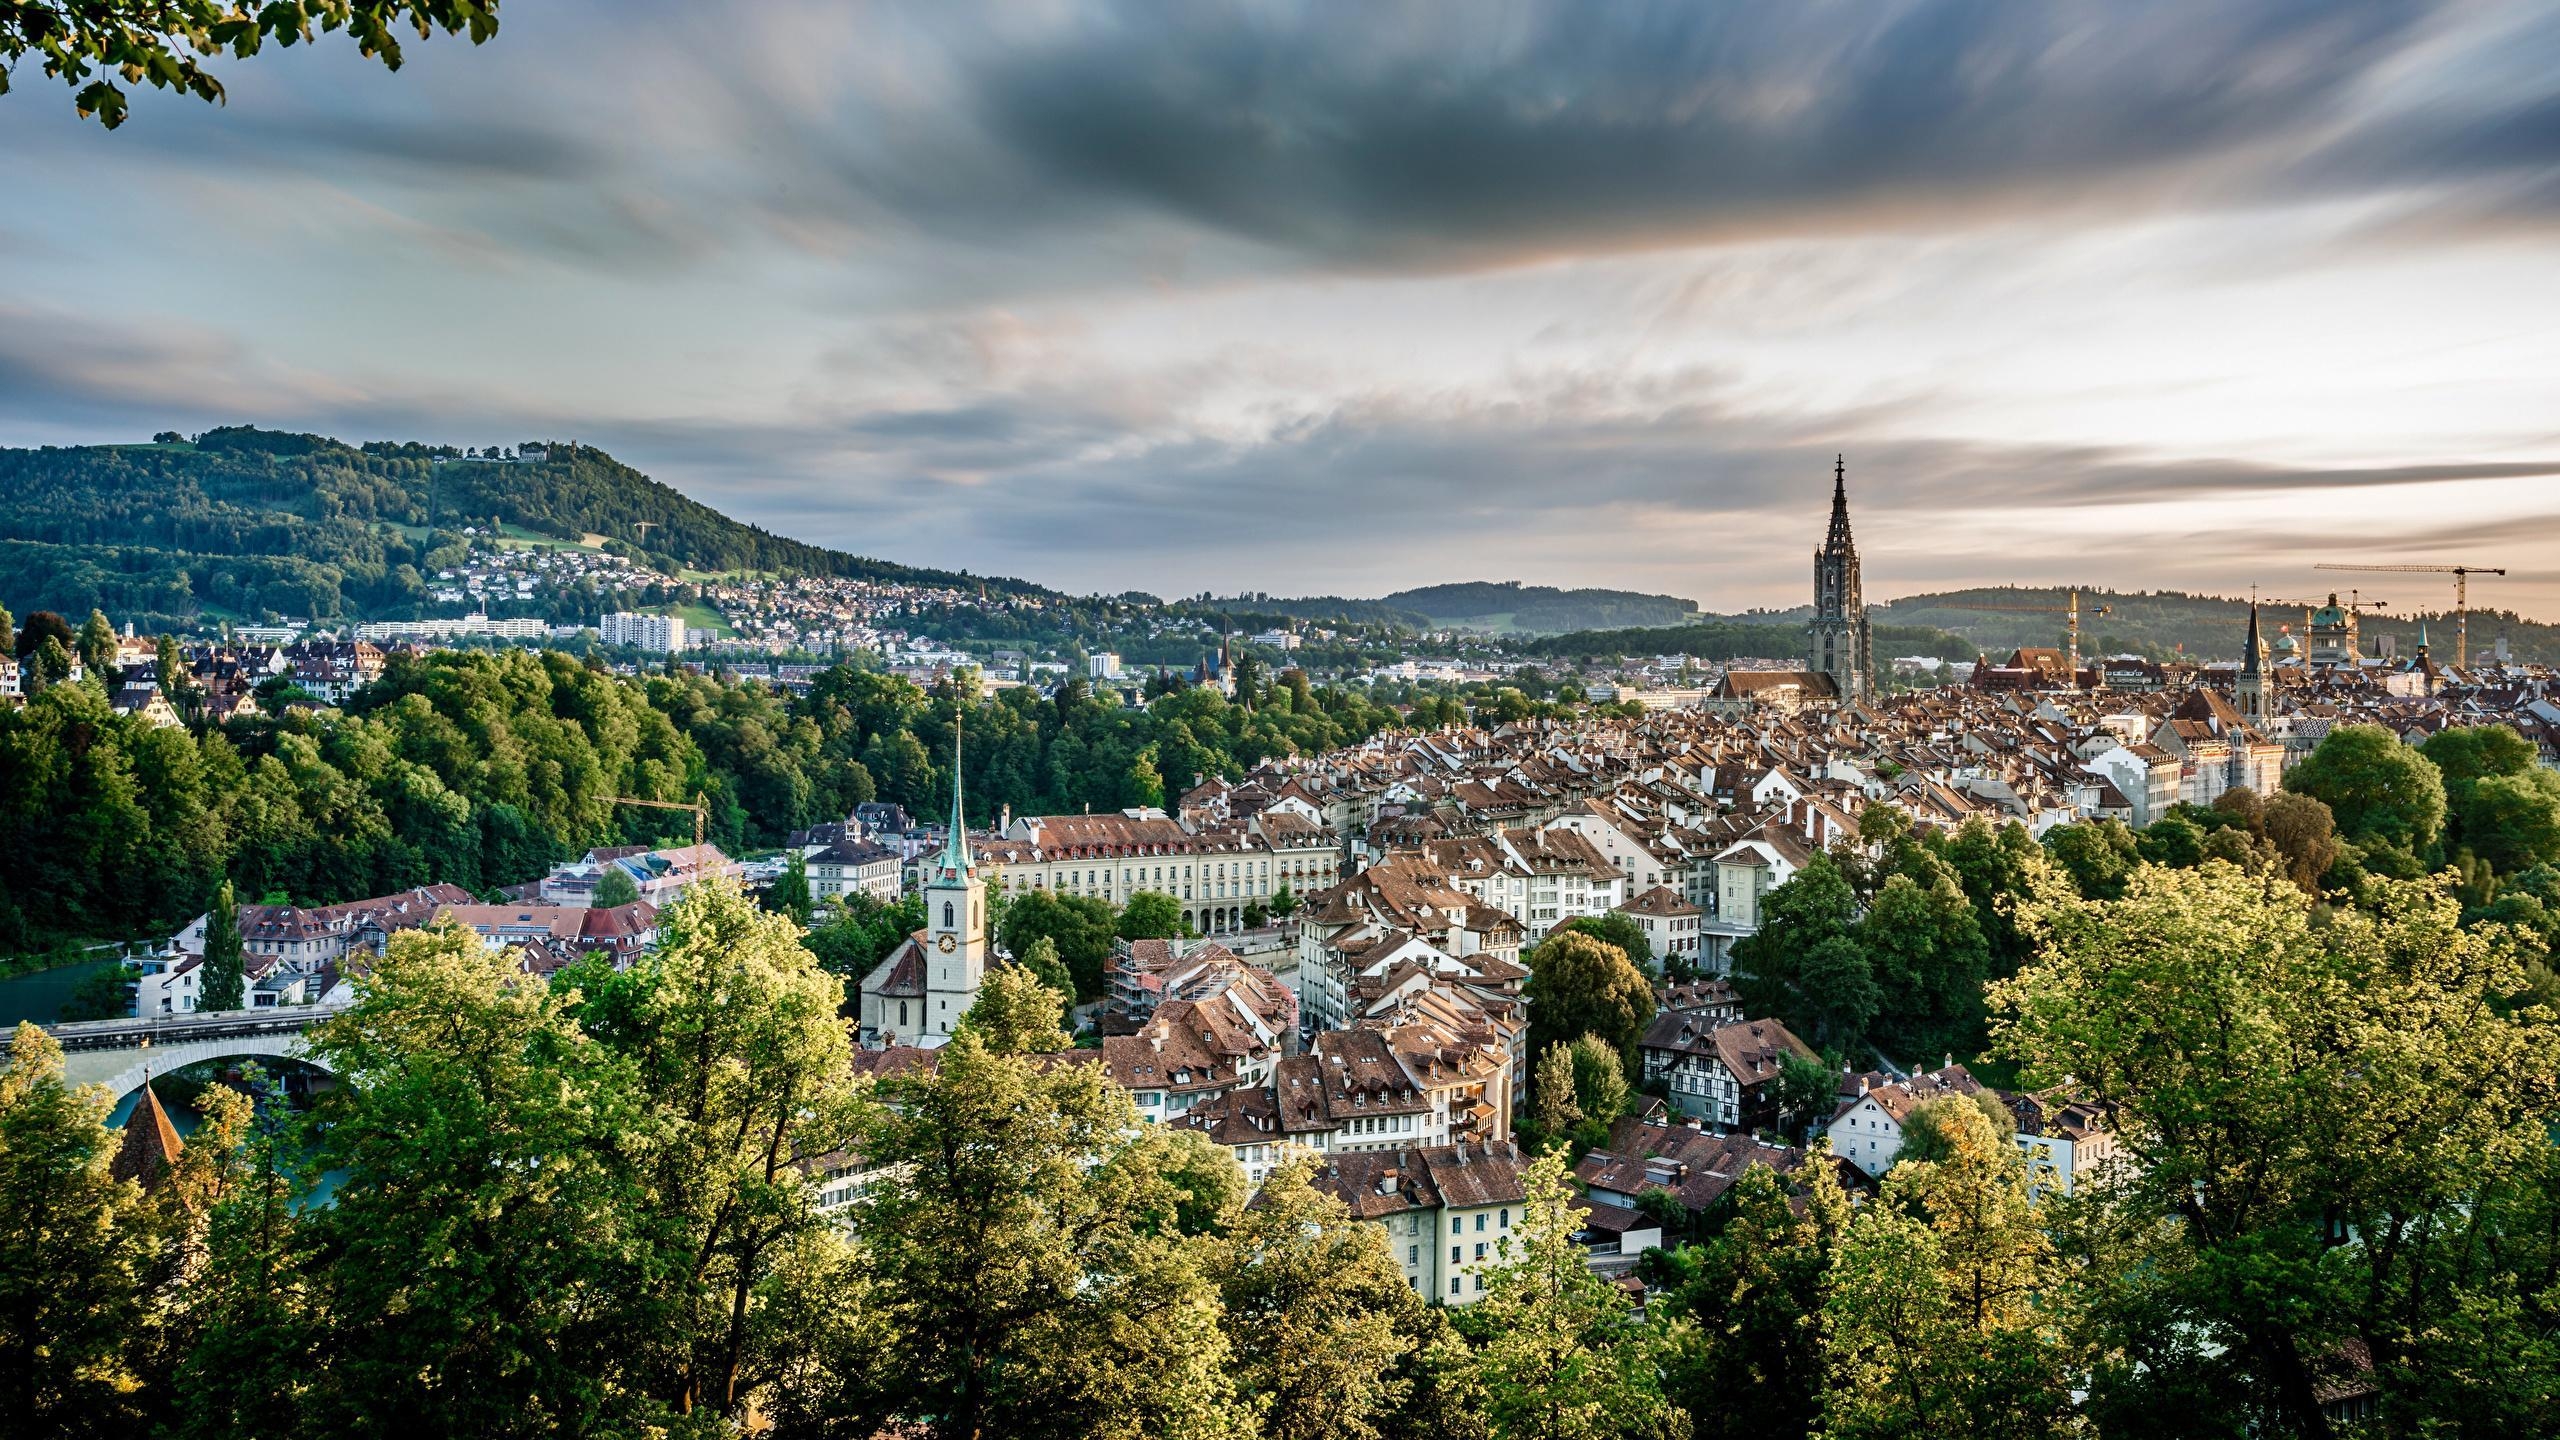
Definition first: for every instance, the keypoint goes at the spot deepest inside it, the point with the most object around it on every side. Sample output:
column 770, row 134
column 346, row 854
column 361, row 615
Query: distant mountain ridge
column 1493, row 607
column 2163, row 623
column 247, row 521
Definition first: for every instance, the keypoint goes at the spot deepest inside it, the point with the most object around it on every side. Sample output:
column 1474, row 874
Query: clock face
column 948, row 944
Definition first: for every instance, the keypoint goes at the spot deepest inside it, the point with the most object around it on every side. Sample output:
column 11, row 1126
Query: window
column 1479, row 1249
column 1479, row 1284
column 1456, row 1253
column 902, row 1012
column 1506, row 1217
column 1453, row 1284
column 1457, row 1226
column 1413, row 1254
column 946, row 915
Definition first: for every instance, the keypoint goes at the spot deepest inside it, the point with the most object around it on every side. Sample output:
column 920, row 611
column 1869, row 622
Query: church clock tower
column 955, row 920
column 1837, row 643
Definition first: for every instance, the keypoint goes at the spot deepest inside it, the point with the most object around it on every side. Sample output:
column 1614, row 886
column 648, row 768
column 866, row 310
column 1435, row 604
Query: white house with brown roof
column 1669, row 922
column 1449, row 1212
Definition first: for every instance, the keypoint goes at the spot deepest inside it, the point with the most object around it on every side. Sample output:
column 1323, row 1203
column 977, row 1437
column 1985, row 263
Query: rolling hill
column 1491, row 607
column 243, row 521
column 2163, row 623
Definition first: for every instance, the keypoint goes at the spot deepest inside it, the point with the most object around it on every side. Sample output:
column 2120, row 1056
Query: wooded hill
column 246, row 521
column 2162, row 623
column 1495, row 607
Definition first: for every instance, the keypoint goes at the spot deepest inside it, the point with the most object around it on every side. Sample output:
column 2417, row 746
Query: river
column 39, row 996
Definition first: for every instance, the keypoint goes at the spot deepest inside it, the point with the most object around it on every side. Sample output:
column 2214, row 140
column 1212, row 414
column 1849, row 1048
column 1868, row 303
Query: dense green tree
column 790, row 894
column 1045, row 966
column 2464, row 755
column 616, row 888
column 1316, row 1312
column 1600, row 1089
column 2304, row 837
column 1928, row 1132
column 1578, row 986
column 2096, row 854
column 1614, row 929
column 2511, row 821
column 1803, row 965
column 105, row 994
column 735, row 1043
column 1927, row 960
column 1284, row 901
column 1939, row 1317
column 1997, row 868
column 1079, row 926
column 484, row 1252
column 224, row 972
column 170, row 669
column 70, row 1293
column 1554, row 1109
column 1752, row 1364
column 1808, row 1091
column 1017, row 1012
column 2279, row 1082
column 2378, row 789
column 96, row 648
column 1023, row 1297
column 1150, row 915
column 1559, row 1352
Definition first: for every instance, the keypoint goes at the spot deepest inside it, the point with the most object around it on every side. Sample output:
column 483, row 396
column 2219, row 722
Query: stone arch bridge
column 119, row 1054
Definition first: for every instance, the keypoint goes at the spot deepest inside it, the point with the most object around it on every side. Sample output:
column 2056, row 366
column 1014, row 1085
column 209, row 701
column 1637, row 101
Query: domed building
column 2333, row 634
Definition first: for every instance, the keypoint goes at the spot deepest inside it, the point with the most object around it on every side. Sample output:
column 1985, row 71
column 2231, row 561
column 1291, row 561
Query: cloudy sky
column 1342, row 298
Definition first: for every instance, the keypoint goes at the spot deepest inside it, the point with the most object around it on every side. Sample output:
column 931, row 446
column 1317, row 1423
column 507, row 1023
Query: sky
column 1337, row 299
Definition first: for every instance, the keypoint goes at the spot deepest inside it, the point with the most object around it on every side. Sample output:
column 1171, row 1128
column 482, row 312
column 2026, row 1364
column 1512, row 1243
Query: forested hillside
column 1726, row 637
column 245, row 521
column 2161, row 623
column 1501, row 607
column 482, row 769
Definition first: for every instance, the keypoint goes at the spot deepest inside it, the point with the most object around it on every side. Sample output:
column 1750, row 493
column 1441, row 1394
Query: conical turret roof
column 151, row 1144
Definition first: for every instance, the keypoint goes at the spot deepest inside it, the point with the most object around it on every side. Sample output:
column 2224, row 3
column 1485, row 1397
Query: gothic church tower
column 1838, row 644
column 955, row 921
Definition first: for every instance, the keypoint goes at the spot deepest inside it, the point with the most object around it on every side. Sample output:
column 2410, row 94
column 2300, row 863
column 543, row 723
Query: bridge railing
column 179, row 1029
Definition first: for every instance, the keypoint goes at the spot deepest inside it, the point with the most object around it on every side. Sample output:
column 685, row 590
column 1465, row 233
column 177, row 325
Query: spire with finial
column 2254, row 647
column 955, row 861
column 1839, row 540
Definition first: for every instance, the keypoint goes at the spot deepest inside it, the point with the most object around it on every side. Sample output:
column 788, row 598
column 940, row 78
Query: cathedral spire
column 2251, row 651
column 955, row 848
column 1838, row 539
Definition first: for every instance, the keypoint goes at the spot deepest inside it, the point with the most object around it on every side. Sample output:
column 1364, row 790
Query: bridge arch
column 121, row 1054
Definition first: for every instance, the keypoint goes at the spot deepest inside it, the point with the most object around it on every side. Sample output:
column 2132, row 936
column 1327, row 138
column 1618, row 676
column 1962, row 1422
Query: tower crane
column 2461, row 597
column 2071, row 625
column 695, row 805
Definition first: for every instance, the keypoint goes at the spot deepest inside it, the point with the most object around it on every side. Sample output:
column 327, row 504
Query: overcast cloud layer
column 1323, row 298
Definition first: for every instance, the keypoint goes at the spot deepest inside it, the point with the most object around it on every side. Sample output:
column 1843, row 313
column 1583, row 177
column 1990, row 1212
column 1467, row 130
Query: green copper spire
column 955, row 848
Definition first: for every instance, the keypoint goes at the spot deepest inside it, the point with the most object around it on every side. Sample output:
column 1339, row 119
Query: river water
column 40, row 996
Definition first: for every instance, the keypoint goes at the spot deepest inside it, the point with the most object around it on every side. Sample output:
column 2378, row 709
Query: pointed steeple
column 1838, row 540
column 955, row 860
column 151, row 1143
column 2254, row 647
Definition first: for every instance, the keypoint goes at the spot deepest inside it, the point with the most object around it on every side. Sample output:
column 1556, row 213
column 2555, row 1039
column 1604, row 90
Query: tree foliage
column 1579, row 986
column 85, row 42
column 2280, row 1083
column 2379, row 790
